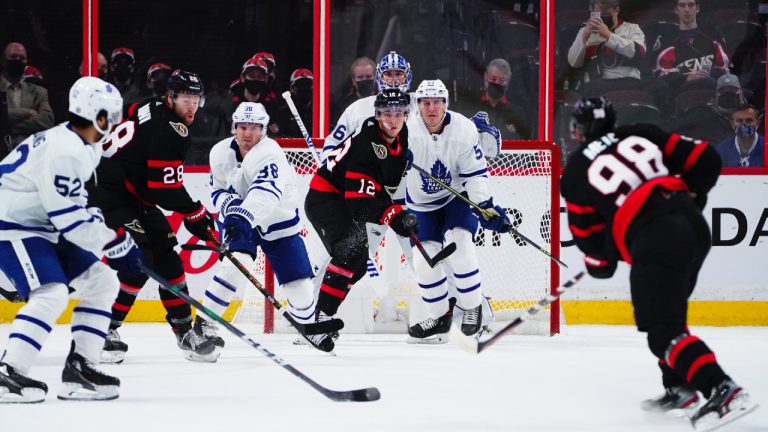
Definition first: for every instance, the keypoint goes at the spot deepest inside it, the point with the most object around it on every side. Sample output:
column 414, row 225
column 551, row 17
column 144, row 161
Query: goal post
column 524, row 179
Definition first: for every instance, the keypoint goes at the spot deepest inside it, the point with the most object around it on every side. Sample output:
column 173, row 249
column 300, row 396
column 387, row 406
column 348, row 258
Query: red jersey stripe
column 161, row 185
column 694, row 156
column 320, row 184
column 575, row 208
column 669, row 147
column 151, row 163
column 586, row 232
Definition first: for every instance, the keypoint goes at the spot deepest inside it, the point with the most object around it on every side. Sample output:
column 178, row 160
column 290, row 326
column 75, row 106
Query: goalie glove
column 498, row 220
column 489, row 136
column 600, row 268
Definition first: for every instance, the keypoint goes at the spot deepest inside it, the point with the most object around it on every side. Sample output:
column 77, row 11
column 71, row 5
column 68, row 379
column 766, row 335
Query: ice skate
column 322, row 341
column 81, row 381
column 208, row 330
column 195, row 348
column 114, row 348
column 472, row 321
column 431, row 331
column 727, row 403
column 17, row 388
column 676, row 401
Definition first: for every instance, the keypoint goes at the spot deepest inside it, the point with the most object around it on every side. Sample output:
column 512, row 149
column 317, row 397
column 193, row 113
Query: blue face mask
column 745, row 130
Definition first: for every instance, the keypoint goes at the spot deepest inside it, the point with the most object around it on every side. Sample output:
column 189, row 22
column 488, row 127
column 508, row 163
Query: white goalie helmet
column 432, row 89
column 250, row 112
column 90, row 96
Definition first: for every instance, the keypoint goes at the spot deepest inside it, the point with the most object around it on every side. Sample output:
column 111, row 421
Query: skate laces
column 471, row 315
column 113, row 335
column 428, row 324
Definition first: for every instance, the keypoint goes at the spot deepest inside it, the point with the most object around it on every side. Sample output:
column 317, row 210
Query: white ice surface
column 592, row 378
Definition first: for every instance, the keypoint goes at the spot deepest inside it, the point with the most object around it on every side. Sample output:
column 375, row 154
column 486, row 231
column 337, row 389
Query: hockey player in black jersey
column 142, row 171
column 636, row 194
column 350, row 190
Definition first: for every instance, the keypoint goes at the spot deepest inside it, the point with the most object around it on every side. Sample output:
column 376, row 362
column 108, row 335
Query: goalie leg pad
column 433, row 283
column 466, row 271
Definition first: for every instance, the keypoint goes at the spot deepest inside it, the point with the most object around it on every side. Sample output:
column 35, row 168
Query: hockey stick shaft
column 301, row 328
column 362, row 395
column 287, row 96
column 486, row 213
column 546, row 301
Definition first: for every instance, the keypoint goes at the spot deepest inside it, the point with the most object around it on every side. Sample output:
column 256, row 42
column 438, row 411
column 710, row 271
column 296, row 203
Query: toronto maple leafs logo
column 439, row 171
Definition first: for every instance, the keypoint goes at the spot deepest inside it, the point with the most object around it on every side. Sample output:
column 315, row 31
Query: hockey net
column 523, row 180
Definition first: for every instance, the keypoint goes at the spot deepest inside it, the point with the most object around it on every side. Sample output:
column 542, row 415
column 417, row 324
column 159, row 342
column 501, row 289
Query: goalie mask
column 592, row 118
column 394, row 62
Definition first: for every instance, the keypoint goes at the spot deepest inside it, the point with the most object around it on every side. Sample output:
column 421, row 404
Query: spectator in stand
column 103, row 67
column 611, row 51
column 509, row 117
column 29, row 110
column 747, row 147
column 269, row 60
column 361, row 84
column 122, row 67
column 33, row 75
column 157, row 79
column 301, row 94
column 693, row 58
column 255, row 76
column 712, row 122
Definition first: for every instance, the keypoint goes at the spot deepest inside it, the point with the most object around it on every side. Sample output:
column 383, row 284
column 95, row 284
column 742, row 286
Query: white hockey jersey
column 264, row 180
column 42, row 190
column 454, row 156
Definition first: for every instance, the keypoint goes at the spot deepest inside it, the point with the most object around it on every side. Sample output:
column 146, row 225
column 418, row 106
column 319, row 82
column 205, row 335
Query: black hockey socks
column 334, row 289
column 690, row 357
column 126, row 297
column 179, row 312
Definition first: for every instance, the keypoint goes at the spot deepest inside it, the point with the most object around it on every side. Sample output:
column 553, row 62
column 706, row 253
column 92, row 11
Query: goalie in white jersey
column 446, row 144
column 255, row 190
column 49, row 241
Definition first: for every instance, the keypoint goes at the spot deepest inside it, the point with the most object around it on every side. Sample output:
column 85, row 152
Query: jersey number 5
column 608, row 173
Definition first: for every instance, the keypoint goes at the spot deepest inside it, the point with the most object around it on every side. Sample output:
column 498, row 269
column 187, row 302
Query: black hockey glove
column 401, row 222
column 600, row 268
column 499, row 221
column 122, row 253
column 199, row 222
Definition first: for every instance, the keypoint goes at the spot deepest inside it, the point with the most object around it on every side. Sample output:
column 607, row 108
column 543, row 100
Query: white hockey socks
column 466, row 271
column 432, row 281
column 98, row 287
column 225, row 283
column 301, row 300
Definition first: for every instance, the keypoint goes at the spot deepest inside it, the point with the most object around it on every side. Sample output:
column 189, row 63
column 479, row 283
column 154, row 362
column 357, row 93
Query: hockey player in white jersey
column 446, row 143
column 255, row 189
column 49, row 241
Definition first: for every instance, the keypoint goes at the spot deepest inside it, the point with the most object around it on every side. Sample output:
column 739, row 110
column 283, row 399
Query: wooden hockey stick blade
column 362, row 395
column 199, row 247
column 476, row 346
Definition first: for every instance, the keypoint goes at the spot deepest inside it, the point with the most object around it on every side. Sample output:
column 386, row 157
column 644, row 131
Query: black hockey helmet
column 592, row 117
column 392, row 99
column 182, row 81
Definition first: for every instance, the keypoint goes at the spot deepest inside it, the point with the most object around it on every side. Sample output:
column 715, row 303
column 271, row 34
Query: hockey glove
column 600, row 268
column 489, row 135
column 498, row 220
column 122, row 253
column 199, row 222
column 236, row 225
column 401, row 222
column 230, row 201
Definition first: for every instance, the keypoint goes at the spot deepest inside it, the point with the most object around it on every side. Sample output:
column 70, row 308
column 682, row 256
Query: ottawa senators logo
column 380, row 150
column 180, row 129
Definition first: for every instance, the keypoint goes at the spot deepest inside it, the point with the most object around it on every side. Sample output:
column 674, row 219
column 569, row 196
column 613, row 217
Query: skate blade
column 27, row 396
column 710, row 423
column 112, row 357
column 76, row 392
column 203, row 358
column 437, row 339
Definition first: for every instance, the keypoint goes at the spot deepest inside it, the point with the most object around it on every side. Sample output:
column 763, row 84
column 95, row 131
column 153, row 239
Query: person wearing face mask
column 712, row 122
column 301, row 93
column 361, row 83
column 29, row 110
column 255, row 78
column 157, row 79
column 269, row 60
column 121, row 67
column 747, row 148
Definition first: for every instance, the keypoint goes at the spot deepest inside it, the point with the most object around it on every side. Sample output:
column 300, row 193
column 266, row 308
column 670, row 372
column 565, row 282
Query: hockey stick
column 304, row 330
column 432, row 261
column 473, row 345
column 486, row 213
column 361, row 395
column 287, row 96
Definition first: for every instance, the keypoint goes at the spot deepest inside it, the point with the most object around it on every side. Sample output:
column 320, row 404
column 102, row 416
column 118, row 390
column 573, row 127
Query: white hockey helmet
column 90, row 96
column 432, row 89
column 250, row 112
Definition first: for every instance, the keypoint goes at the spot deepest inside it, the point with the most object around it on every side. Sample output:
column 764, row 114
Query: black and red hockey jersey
column 145, row 156
column 608, row 181
column 687, row 52
column 361, row 169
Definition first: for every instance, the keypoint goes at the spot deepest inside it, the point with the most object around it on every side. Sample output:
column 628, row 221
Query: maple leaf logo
column 439, row 171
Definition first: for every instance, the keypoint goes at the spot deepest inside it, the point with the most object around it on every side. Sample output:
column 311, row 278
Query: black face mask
column 15, row 68
column 122, row 72
column 256, row 87
column 159, row 86
column 496, row 91
column 304, row 94
column 608, row 20
column 728, row 101
column 364, row 87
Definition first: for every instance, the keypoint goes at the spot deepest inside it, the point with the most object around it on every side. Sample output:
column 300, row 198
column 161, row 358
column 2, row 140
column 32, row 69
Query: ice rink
column 591, row 378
